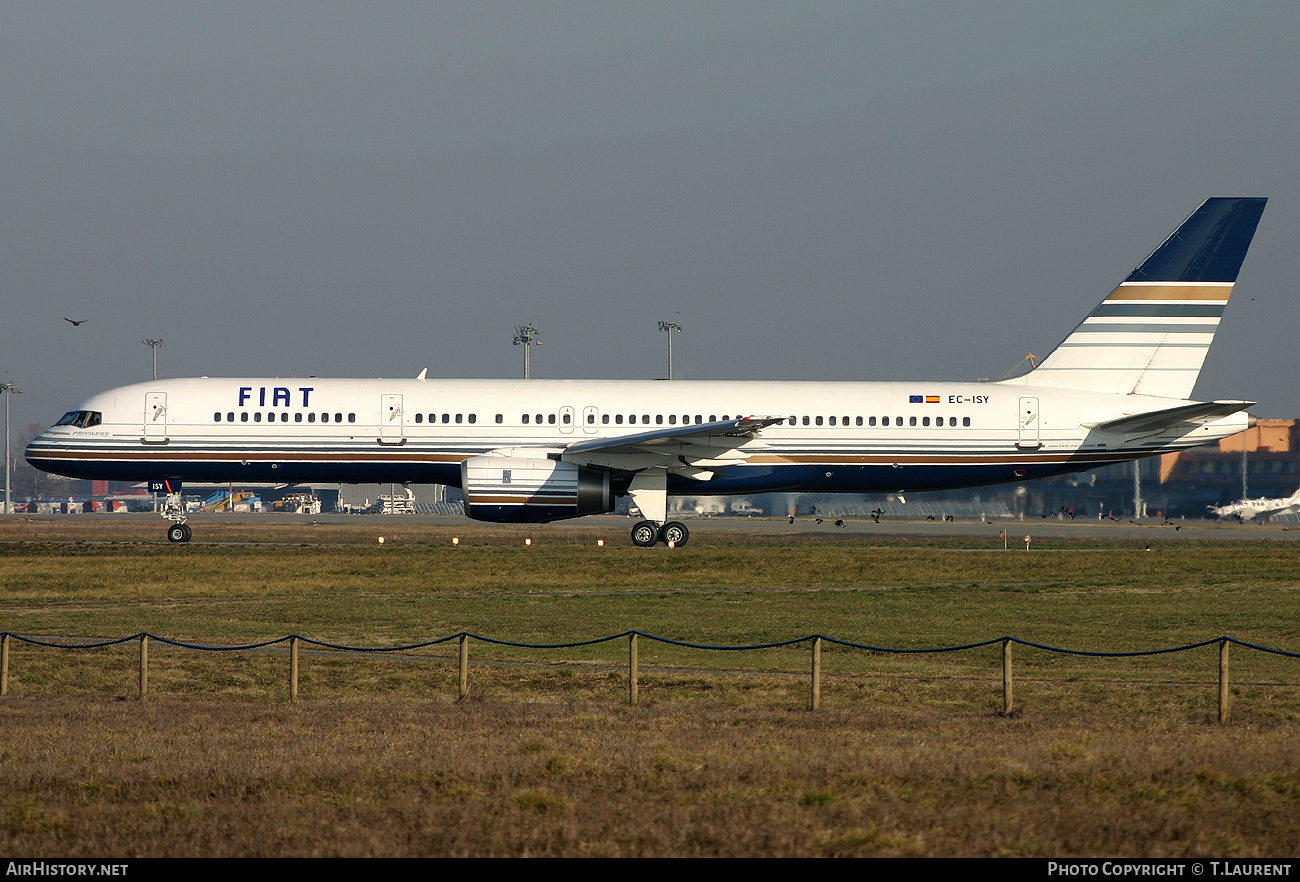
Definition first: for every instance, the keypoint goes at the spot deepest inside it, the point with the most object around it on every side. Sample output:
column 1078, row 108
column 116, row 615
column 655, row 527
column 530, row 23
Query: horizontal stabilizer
column 1159, row 420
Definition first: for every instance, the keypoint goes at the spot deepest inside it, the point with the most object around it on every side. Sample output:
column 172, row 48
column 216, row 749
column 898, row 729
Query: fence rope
column 633, row 636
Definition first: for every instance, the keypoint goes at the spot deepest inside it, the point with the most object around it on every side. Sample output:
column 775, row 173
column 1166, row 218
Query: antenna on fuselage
column 1030, row 357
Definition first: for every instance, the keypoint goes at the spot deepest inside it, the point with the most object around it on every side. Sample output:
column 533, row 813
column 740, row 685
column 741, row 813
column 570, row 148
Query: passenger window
column 419, row 417
column 297, row 417
column 550, row 418
column 672, row 419
column 870, row 421
column 216, row 417
column 832, row 421
column 257, row 417
column 618, row 419
column 446, row 417
column 525, row 419
column 911, row 421
column 230, row 417
column 819, row 421
column 243, row 417
column 859, row 421
column 311, row 417
column 604, row 418
column 499, row 418
column 473, row 417
column 925, row 421
column 338, row 417
column 568, row 418
column 458, row 419
column 805, row 421
column 659, row 419
column 324, row 418
column 284, row 417
column 352, row 418
column 965, row 421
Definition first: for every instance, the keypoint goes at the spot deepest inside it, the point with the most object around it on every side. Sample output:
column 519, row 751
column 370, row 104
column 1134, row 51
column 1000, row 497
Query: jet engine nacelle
column 508, row 489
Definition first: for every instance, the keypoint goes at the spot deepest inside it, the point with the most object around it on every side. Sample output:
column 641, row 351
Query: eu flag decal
column 916, row 399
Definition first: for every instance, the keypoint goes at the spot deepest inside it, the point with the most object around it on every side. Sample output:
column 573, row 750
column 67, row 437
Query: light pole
column 670, row 327
column 155, row 345
column 525, row 336
column 11, row 389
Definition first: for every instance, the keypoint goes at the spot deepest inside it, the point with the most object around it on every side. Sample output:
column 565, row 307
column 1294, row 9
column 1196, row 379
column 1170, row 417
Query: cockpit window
column 82, row 419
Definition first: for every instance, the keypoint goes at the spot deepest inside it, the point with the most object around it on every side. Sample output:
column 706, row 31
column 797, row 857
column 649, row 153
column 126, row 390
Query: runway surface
column 1039, row 529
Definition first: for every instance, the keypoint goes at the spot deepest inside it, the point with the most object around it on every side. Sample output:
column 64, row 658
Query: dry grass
column 907, row 757
column 904, row 775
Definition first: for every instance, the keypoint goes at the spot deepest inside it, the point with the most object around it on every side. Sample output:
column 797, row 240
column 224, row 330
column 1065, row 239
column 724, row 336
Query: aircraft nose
column 35, row 446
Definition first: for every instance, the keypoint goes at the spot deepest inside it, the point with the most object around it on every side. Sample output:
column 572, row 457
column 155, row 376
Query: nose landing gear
column 173, row 509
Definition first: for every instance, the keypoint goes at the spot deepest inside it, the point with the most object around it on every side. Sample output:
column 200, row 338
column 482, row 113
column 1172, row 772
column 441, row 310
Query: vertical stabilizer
column 1150, row 336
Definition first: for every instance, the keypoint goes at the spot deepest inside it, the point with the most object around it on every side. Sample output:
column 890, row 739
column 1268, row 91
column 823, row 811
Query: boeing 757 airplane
column 532, row 451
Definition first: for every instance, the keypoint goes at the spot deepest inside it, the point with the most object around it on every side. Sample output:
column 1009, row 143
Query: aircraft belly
column 871, row 478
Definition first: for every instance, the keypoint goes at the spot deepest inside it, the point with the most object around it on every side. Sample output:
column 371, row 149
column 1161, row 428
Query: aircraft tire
column 188, row 532
column 676, row 533
column 645, row 534
column 178, row 533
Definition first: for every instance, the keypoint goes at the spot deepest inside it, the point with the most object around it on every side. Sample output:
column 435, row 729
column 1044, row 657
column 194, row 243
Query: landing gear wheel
column 645, row 534
column 674, row 533
column 178, row 533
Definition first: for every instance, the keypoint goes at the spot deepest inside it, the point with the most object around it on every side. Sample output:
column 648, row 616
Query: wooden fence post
column 1223, row 681
column 464, row 666
column 1008, row 700
column 144, row 666
column 293, row 668
column 633, row 671
column 4, row 663
column 816, row 700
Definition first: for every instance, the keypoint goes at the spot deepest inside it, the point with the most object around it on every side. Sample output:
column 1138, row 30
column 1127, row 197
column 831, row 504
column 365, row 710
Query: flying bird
column 75, row 323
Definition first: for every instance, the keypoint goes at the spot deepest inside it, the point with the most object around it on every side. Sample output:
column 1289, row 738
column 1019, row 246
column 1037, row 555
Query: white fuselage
column 834, row 437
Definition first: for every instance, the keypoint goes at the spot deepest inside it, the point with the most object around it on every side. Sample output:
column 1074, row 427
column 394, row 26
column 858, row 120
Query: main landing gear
column 647, row 534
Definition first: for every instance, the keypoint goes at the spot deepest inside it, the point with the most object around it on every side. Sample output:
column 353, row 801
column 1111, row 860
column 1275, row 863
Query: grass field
column 909, row 754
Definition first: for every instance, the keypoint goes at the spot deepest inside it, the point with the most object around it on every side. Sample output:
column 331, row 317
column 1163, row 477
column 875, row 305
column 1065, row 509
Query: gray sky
column 919, row 191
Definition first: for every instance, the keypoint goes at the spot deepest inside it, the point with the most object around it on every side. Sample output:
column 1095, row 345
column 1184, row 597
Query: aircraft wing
column 687, row 450
column 1159, row 420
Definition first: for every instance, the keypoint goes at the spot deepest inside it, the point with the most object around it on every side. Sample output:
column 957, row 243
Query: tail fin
column 1150, row 336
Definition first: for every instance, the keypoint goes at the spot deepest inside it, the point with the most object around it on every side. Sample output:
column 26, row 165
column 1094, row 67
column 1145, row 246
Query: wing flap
column 679, row 448
column 715, row 436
